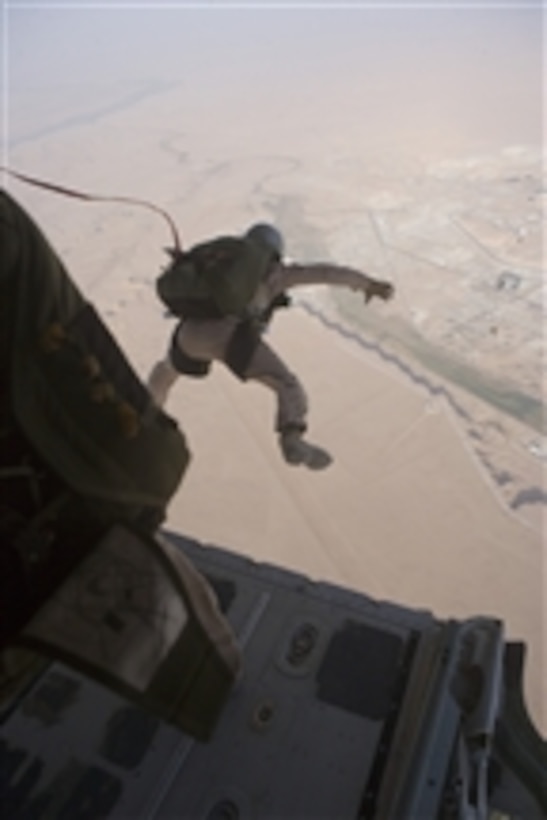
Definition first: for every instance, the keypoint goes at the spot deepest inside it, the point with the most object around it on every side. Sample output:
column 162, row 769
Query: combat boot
column 296, row 450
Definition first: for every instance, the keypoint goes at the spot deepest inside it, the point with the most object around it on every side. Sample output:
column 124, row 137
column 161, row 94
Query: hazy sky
column 477, row 70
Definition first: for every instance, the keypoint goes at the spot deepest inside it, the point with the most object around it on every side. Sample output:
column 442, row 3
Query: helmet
column 268, row 236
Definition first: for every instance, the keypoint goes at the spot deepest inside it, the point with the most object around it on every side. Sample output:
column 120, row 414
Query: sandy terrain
column 412, row 509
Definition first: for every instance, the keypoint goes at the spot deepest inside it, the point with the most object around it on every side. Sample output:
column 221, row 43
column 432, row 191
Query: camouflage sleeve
column 321, row 273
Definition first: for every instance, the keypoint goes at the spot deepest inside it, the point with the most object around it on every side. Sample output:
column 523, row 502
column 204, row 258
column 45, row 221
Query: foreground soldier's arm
column 290, row 275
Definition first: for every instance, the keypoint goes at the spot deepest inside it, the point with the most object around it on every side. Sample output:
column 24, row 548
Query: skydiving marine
column 238, row 341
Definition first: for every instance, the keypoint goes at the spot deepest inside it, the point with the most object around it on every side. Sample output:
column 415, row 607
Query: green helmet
column 268, row 236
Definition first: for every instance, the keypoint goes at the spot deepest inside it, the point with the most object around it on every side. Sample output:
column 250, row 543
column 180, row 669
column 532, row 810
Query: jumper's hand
column 383, row 290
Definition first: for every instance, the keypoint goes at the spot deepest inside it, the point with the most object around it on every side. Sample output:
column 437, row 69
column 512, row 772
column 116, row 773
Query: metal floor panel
column 299, row 736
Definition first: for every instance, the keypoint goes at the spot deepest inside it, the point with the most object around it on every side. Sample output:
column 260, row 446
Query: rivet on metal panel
column 302, row 643
column 263, row 714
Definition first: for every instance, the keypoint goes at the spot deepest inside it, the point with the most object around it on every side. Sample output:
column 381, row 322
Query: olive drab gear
column 214, row 279
column 66, row 375
column 138, row 617
column 82, row 442
column 88, row 464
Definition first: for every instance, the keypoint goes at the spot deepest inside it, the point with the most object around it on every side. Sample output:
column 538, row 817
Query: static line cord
column 58, row 189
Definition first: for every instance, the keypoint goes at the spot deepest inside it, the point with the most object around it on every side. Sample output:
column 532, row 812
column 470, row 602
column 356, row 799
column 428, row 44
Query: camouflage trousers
column 206, row 341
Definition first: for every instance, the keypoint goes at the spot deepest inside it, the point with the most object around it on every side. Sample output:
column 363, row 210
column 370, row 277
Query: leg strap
column 245, row 339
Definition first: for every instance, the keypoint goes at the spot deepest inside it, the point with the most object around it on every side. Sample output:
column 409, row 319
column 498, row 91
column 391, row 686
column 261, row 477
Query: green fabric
column 97, row 434
column 215, row 278
column 136, row 616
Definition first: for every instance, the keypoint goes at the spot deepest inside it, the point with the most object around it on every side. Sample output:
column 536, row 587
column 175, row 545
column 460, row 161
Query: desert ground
column 436, row 497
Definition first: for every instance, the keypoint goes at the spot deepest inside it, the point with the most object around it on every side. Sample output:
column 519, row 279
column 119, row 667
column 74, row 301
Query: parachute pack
column 64, row 371
column 215, row 278
column 82, row 443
